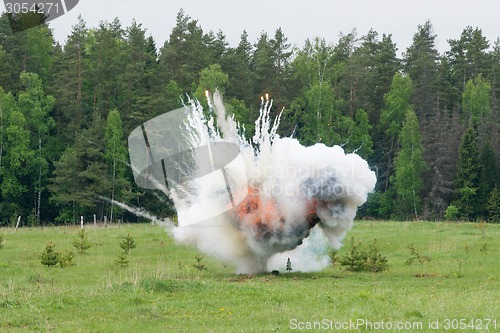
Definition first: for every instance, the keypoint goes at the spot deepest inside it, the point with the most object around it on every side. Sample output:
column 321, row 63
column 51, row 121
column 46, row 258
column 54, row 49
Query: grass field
column 161, row 290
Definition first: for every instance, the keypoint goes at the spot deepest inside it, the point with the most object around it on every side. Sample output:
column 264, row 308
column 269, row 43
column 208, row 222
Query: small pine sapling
column 128, row 243
column 66, row 259
column 49, row 257
column 81, row 242
column 417, row 257
column 122, row 260
column 376, row 261
column 288, row 265
column 199, row 266
column 356, row 260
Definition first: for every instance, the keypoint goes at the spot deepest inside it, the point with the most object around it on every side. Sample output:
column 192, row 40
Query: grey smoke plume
column 250, row 202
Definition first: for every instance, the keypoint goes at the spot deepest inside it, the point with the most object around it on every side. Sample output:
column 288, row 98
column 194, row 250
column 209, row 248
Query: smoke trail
column 249, row 202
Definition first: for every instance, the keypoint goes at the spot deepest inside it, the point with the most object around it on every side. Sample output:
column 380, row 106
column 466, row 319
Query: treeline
column 428, row 123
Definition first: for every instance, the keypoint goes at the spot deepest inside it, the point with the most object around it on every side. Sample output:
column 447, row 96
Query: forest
column 428, row 123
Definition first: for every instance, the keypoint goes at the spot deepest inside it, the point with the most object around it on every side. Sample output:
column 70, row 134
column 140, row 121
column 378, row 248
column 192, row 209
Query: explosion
column 249, row 202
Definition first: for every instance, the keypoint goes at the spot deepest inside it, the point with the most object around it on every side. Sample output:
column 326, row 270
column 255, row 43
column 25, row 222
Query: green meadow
column 161, row 290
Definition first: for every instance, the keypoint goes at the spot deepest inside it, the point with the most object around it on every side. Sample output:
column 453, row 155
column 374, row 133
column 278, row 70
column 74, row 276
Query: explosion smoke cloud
column 250, row 202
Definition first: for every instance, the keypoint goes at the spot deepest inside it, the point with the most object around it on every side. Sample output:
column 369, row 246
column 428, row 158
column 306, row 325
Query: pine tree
column 139, row 78
column 409, row 168
column 216, row 45
column 282, row 84
column 467, row 56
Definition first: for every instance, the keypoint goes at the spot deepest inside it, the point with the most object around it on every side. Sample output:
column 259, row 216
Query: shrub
column 66, row 216
column 452, row 213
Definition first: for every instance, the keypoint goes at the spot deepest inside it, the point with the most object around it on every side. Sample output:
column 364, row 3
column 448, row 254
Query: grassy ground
column 161, row 291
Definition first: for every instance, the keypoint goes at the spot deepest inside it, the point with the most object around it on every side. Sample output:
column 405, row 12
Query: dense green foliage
column 66, row 111
column 160, row 290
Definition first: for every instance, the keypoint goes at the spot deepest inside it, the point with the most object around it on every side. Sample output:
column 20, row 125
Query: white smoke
column 296, row 201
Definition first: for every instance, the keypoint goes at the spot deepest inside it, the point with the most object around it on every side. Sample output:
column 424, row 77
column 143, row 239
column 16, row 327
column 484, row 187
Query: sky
column 299, row 20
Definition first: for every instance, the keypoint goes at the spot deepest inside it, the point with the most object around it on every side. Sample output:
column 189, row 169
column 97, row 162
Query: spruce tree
column 421, row 65
column 82, row 174
column 262, row 65
column 493, row 206
column 467, row 180
column 237, row 66
column 488, row 177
